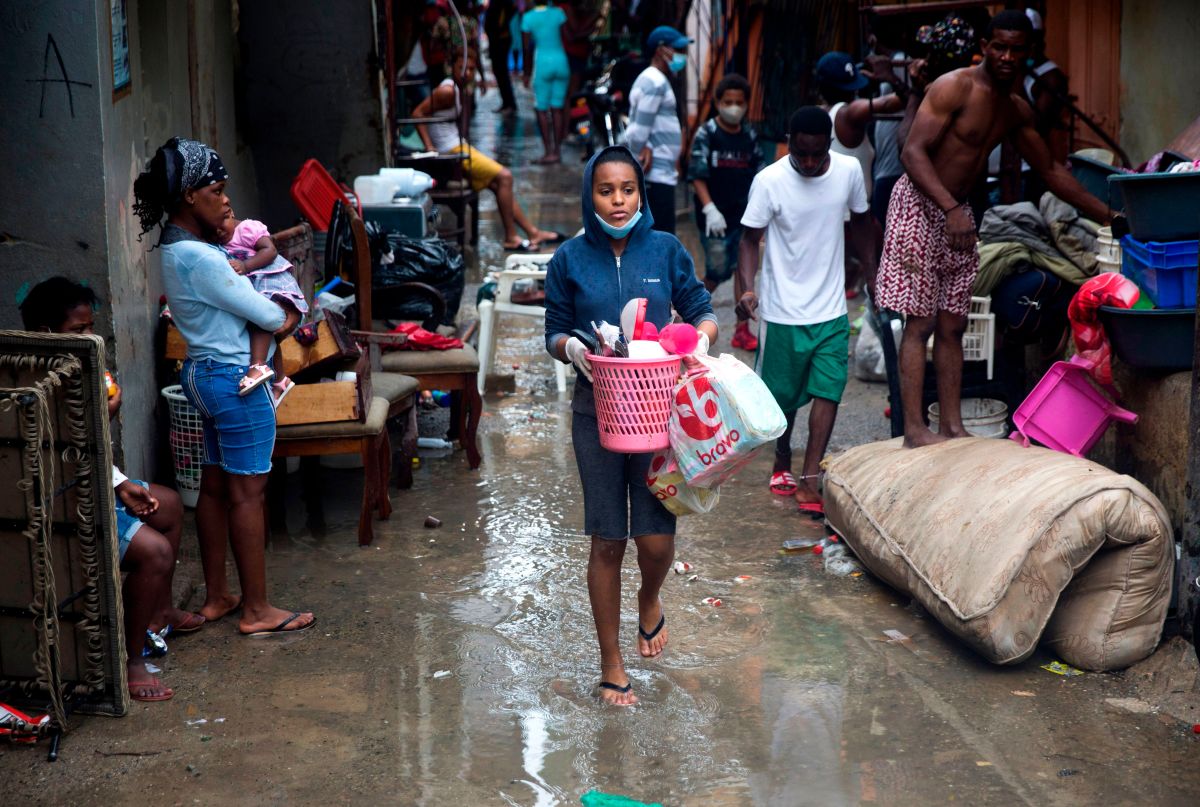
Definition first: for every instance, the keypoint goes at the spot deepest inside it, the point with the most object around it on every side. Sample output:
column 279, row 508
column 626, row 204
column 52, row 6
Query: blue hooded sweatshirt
column 586, row 282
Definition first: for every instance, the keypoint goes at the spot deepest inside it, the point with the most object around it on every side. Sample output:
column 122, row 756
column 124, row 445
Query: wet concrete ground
column 458, row 665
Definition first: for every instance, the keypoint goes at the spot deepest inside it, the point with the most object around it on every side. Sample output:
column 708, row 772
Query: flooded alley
column 457, row 665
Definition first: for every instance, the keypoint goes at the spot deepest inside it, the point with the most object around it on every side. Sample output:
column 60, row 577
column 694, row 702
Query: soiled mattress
column 1007, row 545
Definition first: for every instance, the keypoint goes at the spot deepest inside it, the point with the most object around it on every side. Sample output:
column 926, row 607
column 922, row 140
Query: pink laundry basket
column 1065, row 411
column 633, row 402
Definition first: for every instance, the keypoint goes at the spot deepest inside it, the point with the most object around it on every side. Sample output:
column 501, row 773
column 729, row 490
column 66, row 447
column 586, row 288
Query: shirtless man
column 929, row 257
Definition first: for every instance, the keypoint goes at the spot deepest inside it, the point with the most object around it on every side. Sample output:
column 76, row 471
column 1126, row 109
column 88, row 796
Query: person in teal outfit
column 542, row 27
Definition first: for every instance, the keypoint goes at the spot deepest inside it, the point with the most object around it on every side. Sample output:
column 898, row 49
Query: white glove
column 714, row 222
column 576, row 352
column 701, row 345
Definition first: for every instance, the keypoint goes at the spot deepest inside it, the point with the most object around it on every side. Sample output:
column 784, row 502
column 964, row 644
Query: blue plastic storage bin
column 1166, row 270
column 1163, row 254
column 1160, row 207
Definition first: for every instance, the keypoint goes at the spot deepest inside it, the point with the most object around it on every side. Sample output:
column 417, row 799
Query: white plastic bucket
column 1108, row 249
column 983, row 417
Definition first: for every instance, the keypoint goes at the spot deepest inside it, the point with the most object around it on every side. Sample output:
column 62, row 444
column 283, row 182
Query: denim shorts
column 616, row 502
column 127, row 523
column 239, row 430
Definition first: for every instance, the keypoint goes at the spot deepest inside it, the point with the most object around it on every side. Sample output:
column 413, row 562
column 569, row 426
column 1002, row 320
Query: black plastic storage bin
column 1160, row 339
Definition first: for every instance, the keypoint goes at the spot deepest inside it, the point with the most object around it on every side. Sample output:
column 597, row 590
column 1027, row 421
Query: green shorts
column 802, row 362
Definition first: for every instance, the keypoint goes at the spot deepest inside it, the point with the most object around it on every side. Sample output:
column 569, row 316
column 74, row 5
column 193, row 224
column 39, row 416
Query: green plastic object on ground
column 594, row 798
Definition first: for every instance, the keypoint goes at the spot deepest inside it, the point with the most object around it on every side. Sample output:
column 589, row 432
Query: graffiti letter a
column 64, row 79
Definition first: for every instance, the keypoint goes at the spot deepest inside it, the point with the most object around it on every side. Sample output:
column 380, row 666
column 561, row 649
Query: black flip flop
column 525, row 246
column 557, row 238
column 623, row 690
column 649, row 636
column 282, row 627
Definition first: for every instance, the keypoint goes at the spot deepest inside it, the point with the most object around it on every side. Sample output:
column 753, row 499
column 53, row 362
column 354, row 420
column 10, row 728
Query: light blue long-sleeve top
column 212, row 305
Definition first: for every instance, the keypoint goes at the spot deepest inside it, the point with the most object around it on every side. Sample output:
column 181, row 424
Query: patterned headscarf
column 951, row 40
column 191, row 165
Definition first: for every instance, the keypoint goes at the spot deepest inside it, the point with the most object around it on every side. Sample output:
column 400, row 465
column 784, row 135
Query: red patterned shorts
column 919, row 273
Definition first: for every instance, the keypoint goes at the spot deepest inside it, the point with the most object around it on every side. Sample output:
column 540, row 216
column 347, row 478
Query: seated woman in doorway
column 444, row 137
column 213, row 307
column 149, row 517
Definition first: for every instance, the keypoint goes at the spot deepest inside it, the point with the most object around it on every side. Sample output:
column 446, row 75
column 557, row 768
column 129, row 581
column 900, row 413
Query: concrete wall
column 311, row 90
column 183, row 71
column 52, row 210
column 1159, row 62
column 50, row 150
column 70, row 150
column 1155, row 450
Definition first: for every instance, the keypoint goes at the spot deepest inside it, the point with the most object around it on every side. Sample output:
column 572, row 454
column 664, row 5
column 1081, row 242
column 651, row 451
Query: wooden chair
column 368, row 439
column 452, row 370
column 393, row 399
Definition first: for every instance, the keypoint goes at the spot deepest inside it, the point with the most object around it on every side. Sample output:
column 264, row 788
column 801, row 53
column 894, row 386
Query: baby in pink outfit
column 252, row 253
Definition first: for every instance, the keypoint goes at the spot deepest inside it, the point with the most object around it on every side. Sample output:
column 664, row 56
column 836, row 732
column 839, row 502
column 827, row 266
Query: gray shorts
column 616, row 502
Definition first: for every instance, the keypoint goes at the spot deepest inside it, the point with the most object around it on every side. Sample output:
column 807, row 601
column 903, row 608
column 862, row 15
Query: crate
column 334, row 343
column 1160, row 207
column 1165, row 270
column 329, row 401
column 979, row 340
column 1163, row 254
column 314, row 191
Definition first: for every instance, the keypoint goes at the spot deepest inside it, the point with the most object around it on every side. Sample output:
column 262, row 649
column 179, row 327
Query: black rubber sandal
column 623, row 690
column 649, row 636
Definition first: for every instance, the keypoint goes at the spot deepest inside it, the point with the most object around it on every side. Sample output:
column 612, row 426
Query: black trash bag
column 421, row 260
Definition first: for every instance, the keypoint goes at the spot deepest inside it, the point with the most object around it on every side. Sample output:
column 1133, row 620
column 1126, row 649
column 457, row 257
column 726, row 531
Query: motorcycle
column 600, row 111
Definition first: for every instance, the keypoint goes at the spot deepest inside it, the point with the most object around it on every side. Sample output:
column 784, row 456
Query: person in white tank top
column 444, row 108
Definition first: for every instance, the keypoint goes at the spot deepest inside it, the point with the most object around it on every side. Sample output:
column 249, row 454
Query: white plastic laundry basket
column 187, row 444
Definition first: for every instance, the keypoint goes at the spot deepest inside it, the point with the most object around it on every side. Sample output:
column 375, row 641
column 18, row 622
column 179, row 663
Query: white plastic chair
column 516, row 267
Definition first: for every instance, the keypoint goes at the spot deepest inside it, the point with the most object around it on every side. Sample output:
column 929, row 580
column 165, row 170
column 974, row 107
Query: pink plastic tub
column 633, row 402
column 1066, row 412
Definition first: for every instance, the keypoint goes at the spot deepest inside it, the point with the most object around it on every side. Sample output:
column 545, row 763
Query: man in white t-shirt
column 799, row 202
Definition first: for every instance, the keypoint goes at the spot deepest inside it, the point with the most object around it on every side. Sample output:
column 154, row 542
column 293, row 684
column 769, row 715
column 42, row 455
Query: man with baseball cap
column 654, row 133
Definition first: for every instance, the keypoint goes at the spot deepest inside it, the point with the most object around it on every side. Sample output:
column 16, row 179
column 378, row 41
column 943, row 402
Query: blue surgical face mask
column 620, row 232
column 678, row 62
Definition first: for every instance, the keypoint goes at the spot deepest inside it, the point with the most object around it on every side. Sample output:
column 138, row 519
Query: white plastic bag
column 868, row 354
column 719, row 418
column 666, row 482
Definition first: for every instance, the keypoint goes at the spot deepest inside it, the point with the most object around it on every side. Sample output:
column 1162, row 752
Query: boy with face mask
column 724, row 159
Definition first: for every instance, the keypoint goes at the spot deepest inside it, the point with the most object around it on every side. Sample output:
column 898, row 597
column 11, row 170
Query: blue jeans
column 239, row 430
column 720, row 253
